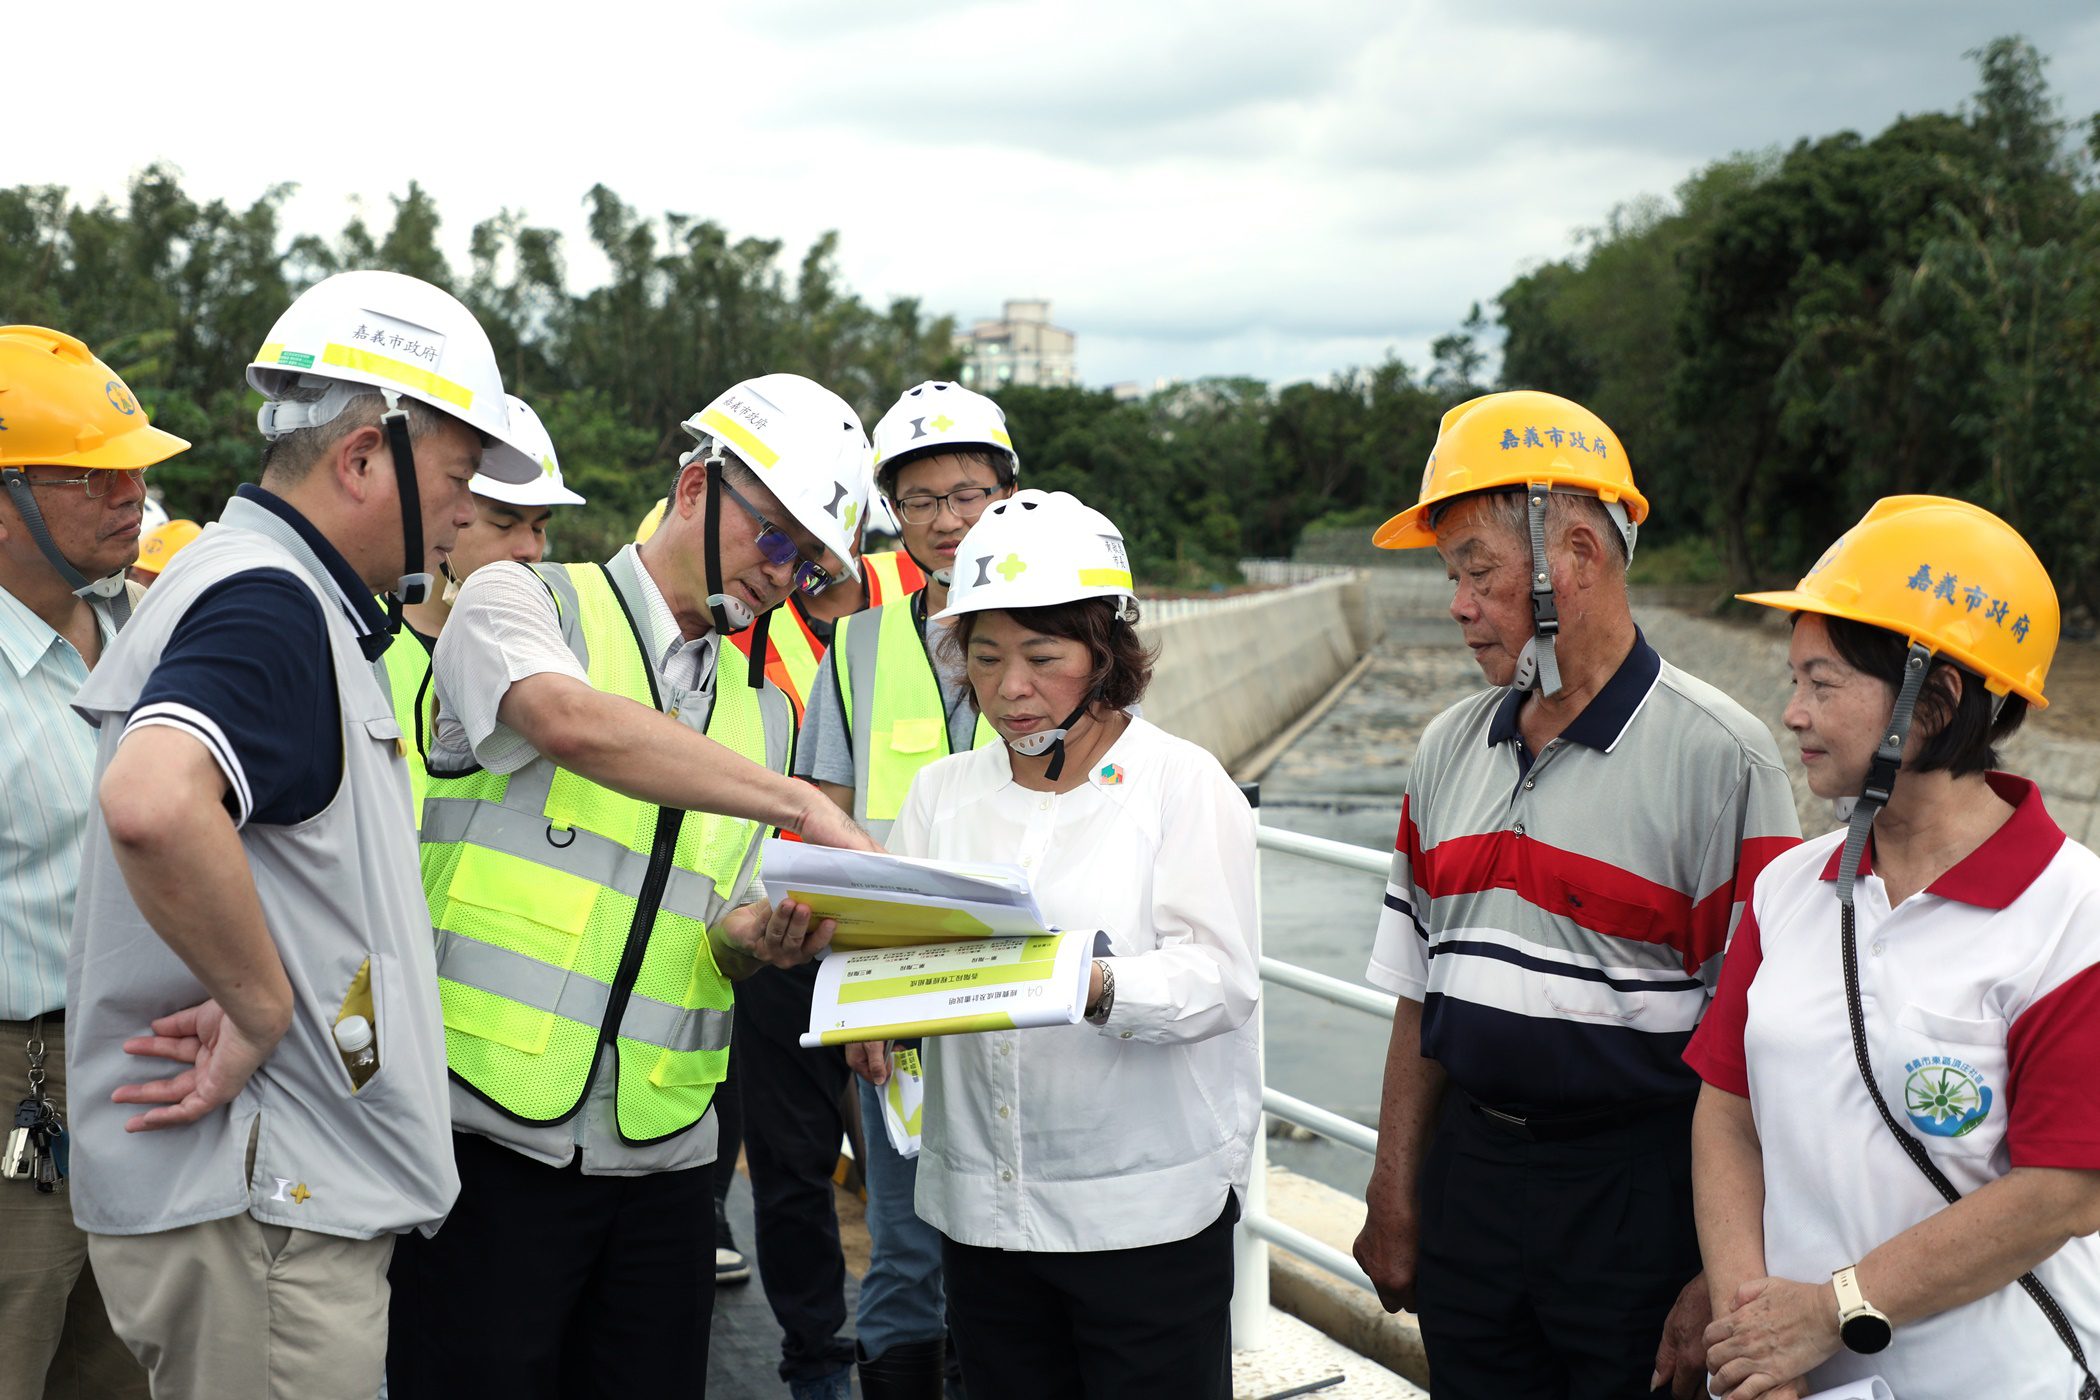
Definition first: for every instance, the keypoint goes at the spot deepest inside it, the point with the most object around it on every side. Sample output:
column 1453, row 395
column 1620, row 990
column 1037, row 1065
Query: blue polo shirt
column 248, row 673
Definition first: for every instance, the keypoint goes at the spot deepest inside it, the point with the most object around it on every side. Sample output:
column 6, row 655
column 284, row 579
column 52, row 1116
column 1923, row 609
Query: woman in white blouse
column 1086, row 1178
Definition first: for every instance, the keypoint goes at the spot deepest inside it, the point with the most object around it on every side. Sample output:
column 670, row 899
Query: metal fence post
column 1250, row 1252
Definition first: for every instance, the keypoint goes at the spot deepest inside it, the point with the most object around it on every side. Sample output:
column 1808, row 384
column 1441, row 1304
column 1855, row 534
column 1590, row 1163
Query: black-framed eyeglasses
column 775, row 544
column 968, row 502
column 94, row 483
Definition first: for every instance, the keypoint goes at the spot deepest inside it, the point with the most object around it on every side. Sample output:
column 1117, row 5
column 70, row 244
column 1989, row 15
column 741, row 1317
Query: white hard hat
column 1036, row 549
column 805, row 443
column 529, row 441
column 152, row 515
column 939, row 414
column 383, row 330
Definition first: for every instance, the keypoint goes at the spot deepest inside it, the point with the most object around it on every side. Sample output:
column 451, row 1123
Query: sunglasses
column 774, row 544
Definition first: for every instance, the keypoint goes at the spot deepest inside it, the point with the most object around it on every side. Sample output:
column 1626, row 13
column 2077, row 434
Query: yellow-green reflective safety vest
column 404, row 669
column 892, row 702
column 570, row 916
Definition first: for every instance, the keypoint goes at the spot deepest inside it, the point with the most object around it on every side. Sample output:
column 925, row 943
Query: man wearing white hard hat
column 250, row 894
column 510, row 522
column 602, row 770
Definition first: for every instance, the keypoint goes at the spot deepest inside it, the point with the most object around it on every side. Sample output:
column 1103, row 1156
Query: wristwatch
column 1861, row 1326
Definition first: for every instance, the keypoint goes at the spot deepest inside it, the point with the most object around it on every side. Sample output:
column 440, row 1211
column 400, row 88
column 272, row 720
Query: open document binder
column 928, row 947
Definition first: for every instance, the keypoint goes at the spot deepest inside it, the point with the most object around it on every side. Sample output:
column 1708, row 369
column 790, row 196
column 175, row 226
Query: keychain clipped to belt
column 36, row 1146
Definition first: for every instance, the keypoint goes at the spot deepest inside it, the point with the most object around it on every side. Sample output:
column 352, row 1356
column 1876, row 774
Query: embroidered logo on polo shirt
column 1945, row 1097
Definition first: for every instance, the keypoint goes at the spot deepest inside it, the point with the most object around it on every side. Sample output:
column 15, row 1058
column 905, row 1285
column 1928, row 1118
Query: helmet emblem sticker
column 918, row 426
column 1012, row 567
column 1116, row 552
column 838, row 494
column 984, row 571
column 119, row 397
column 943, row 423
column 399, row 338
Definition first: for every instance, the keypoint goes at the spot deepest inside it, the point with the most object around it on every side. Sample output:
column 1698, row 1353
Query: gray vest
column 339, row 891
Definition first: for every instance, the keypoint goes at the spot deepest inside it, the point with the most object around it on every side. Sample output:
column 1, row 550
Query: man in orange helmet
column 74, row 445
column 1575, row 846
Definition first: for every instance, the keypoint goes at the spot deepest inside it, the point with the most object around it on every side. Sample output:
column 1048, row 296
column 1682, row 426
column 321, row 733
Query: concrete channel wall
column 1233, row 672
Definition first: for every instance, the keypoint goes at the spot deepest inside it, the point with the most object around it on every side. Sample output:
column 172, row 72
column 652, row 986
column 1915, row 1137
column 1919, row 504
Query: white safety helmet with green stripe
column 1036, row 549
column 365, row 330
column 530, row 441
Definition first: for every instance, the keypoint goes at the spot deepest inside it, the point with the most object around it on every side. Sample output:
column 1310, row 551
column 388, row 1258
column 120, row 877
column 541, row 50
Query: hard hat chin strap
column 731, row 614
column 1052, row 740
column 1537, row 666
column 110, row 588
column 413, row 587
column 1881, row 773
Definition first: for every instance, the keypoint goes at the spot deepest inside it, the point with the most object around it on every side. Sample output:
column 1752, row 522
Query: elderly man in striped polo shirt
column 1575, row 846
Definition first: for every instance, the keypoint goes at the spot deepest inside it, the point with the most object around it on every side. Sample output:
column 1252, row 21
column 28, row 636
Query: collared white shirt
column 503, row 628
column 47, row 766
column 1981, row 1000
column 1082, row 1137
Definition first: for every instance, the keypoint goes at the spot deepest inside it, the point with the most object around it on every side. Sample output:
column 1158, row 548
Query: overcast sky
column 1275, row 189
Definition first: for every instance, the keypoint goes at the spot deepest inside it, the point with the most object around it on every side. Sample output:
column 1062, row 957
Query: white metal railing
column 1258, row 1229
column 1289, row 571
column 1167, row 609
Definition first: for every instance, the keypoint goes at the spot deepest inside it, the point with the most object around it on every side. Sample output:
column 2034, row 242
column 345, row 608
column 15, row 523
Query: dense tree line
column 1790, row 336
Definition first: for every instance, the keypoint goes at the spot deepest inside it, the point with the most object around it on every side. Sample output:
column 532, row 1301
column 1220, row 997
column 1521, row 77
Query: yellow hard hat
column 62, row 407
column 1511, row 440
column 1945, row 574
column 163, row 542
column 654, row 518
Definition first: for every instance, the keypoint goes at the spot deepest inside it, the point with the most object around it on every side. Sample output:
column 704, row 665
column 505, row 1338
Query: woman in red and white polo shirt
column 1920, row 640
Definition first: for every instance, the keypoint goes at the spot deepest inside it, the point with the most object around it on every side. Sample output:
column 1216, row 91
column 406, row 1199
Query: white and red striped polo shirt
column 1561, row 916
column 1981, row 996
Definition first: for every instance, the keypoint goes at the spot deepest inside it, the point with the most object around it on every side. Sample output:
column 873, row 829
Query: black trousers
column 729, row 1130
column 790, row 1097
column 1547, row 1268
column 1103, row 1325
column 546, row 1284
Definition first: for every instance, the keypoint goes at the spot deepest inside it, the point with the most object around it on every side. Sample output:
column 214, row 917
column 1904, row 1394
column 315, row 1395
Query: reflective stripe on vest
column 571, row 916
column 892, row 704
column 891, row 575
column 404, row 670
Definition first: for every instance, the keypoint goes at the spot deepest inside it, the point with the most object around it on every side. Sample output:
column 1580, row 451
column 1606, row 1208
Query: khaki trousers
column 55, row 1337
column 235, row 1309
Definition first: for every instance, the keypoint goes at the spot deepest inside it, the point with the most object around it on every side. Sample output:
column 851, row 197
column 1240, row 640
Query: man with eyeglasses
column 74, row 446
column 593, row 904
column 878, row 712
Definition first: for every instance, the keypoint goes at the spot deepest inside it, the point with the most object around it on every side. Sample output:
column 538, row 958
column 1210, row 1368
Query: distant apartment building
column 1021, row 347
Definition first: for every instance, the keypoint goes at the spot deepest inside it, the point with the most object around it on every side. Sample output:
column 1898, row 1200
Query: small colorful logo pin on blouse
column 1111, row 774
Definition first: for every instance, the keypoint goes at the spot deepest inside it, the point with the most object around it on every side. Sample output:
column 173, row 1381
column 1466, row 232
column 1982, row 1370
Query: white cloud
column 1239, row 186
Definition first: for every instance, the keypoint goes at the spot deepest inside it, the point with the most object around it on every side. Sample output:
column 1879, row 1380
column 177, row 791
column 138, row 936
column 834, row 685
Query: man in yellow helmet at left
column 74, row 446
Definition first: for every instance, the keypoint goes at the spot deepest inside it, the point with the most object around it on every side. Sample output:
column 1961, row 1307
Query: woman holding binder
column 1898, row 1133
column 1086, row 1178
